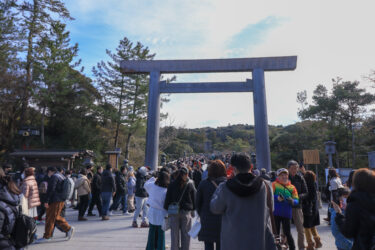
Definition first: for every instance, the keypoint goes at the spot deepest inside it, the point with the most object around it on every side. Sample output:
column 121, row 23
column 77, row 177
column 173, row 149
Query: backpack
column 67, row 187
column 24, row 230
column 43, row 187
column 24, row 227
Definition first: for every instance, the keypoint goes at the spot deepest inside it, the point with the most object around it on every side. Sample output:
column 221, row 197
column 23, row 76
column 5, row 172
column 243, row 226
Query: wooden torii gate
column 256, row 85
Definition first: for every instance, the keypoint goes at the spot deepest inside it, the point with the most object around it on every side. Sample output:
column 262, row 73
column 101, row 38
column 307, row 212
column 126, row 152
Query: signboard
column 311, row 156
column 113, row 160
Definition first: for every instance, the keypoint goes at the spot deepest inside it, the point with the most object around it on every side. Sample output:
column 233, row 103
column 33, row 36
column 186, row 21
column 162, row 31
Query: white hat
column 282, row 170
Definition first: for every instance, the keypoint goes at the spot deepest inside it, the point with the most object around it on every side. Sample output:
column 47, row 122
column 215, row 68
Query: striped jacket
column 284, row 208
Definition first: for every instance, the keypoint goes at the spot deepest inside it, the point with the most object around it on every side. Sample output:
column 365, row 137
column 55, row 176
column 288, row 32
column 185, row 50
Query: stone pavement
column 117, row 233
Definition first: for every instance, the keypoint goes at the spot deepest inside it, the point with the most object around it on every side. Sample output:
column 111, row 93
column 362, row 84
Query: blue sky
column 330, row 39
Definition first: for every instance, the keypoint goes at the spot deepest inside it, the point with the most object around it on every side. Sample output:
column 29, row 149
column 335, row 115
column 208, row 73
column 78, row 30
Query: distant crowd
column 224, row 201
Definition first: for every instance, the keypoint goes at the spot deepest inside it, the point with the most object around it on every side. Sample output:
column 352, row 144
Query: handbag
column 24, row 205
column 174, row 207
column 194, row 231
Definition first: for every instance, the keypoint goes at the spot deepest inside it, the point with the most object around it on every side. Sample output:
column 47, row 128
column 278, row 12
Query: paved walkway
column 117, row 233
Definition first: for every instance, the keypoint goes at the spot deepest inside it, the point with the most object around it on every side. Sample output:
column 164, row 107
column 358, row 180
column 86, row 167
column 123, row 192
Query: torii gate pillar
column 257, row 85
column 262, row 144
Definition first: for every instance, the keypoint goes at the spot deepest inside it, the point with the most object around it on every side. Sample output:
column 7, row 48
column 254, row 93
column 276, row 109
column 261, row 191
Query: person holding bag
column 180, row 204
column 157, row 190
column 83, row 186
column 31, row 193
column 210, row 223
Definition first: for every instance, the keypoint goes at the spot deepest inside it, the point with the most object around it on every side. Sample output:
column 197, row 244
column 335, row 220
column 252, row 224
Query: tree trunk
column 127, row 146
column 25, row 98
column 119, row 113
column 42, row 125
column 130, row 133
column 353, row 148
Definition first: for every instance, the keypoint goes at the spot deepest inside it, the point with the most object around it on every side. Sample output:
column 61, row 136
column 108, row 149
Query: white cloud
column 331, row 38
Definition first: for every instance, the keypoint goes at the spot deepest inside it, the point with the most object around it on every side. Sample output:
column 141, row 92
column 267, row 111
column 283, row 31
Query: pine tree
column 53, row 63
column 127, row 93
column 10, row 78
column 36, row 17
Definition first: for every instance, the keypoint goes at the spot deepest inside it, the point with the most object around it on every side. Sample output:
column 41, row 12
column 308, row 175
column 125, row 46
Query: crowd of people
column 239, row 206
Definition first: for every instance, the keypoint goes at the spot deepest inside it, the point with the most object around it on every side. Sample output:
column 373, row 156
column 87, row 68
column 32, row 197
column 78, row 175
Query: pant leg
column 93, row 202
column 309, row 236
column 144, row 209
column 99, row 204
column 53, row 216
column 151, row 240
column 160, row 238
column 41, row 211
column 83, row 205
column 218, row 246
column 116, row 202
column 278, row 223
column 106, row 198
column 185, row 226
column 175, row 232
column 208, row 245
column 131, row 202
column 298, row 222
column 138, row 207
column 60, row 220
column 286, row 229
column 124, row 203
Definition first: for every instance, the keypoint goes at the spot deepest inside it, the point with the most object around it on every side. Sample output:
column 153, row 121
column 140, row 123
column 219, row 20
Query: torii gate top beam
column 210, row 65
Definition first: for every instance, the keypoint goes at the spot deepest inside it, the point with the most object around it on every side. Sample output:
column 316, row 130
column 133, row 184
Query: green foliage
column 128, row 93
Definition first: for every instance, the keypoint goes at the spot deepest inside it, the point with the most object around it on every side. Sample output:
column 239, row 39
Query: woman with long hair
column 210, row 223
column 311, row 212
column 157, row 190
column 30, row 191
column 359, row 219
column 131, row 190
column 180, row 194
column 9, row 201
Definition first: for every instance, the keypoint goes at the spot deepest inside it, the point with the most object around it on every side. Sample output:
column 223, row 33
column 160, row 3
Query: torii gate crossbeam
column 257, row 85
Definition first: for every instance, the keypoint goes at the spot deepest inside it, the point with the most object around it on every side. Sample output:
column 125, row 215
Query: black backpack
column 24, row 230
column 24, row 227
column 66, row 187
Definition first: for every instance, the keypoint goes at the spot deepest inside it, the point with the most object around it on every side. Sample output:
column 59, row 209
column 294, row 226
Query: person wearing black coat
column 121, row 190
column 210, row 223
column 310, row 210
column 96, row 189
column 9, row 201
column 108, row 189
column 140, row 197
column 359, row 219
column 299, row 182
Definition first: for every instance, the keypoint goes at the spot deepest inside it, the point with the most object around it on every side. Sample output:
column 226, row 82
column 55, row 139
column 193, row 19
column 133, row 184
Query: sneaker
column 42, row 240
column 144, row 224
column 105, row 218
column 110, row 213
column 91, row 214
column 70, row 233
column 82, row 219
column 134, row 224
